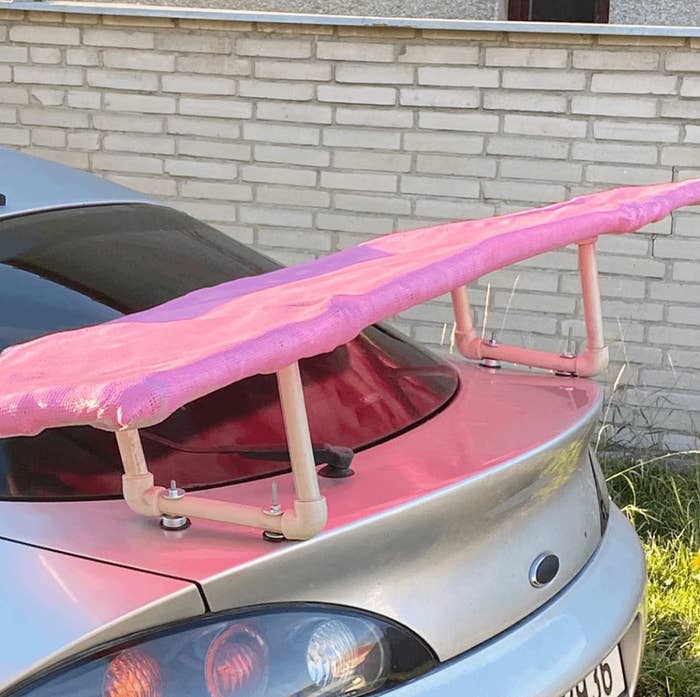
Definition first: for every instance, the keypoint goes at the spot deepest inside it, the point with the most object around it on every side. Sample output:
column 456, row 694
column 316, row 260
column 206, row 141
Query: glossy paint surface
column 31, row 184
column 459, row 507
column 54, row 605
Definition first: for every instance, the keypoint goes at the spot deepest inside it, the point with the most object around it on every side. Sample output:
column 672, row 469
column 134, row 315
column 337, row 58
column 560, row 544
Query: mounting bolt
column 274, row 510
column 174, row 522
column 490, row 362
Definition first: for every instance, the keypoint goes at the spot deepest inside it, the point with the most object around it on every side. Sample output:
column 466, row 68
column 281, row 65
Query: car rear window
column 76, row 267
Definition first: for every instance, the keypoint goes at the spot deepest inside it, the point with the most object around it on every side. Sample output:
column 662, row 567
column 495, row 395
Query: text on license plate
column 607, row 680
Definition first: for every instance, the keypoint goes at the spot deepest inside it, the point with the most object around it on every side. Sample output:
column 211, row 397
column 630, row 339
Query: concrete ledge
column 134, row 10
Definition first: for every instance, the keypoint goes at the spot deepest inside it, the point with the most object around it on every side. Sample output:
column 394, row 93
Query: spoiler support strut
column 592, row 361
column 306, row 518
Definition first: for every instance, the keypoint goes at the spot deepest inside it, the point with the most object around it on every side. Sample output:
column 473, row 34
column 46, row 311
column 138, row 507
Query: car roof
column 30, row 184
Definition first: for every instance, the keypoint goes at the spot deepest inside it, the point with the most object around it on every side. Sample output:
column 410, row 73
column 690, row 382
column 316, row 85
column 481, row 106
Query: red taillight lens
column 237, row 663
column 133, row 673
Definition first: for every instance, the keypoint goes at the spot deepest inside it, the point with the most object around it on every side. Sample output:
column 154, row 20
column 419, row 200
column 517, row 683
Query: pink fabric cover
column 135, row 371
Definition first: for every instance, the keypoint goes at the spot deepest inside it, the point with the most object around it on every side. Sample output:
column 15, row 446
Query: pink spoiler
column 135, row 371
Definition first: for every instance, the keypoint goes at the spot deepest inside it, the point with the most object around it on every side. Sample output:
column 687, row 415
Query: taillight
column 285, row 651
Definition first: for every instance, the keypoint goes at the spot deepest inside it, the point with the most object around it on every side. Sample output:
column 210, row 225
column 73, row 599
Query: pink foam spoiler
column 135, row 371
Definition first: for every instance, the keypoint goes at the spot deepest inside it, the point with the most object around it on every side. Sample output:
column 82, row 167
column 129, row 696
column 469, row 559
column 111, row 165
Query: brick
column 293, row 28
column 536, row 302
column 214, row 149
column 284, row 70
column 213, row 64
column 456, row 165
column 686, row 271
column 374, row 74
column 183, row 42
column 541, row 169
column 631, row 266
column 42, row 54
column 303, row 113
column 286, row 217
column 524, row 191
column 683, row 61
column 643, row 83
column 443, row 55
column 14, row 136
column 354, row 223
column 453, row 187
column 82, row 56
column 138, row 60
column 375, row 31
column 47, row 97
column 84, row 140
column 136, row 21
column 14, row 54
column 526, row 57
column 139, row 103
column 273, row 48
column 42, row 75
column 114, row 122
column 680, row 155
column 551, row 126
column 372, row 204
column 140, row 164
column 677, row 249
column 294, row 238
column 359, row 182
column 61, row 118
column 352, row 51
column 616, row 60
column 14, row 95
column 222, row 129
column 215, row 25
column 447, row 121
column 690, row 87
column 451, row 99
column 245, row 235
column 293, row 196
column 200, row 169
column 637, row 107
column 84, row 100
column 361, row 138
column 391, row 118
column 49, row 137
column 444, row 142
column 627, row 176
column 543, row 80
column 498, row 145
column 155, row 145
column 357, row 95
column 519, row 101
column 634, row 245
column 675, row 292
column 635, row 131
column 122, row 80
column 8, row 114
column 686, row 224
column 216, row 190
column 680, row 109
column 196, row 84
column 293, row 135
column 678, row 336
column 35, row 34
column 117, row 38
column 457, row 77
column 78, row 160
column 290, row 258
column 278, row 175
column 221, row 108
column 612, row 152
column 453, row 210
column 389, row 162
column 305, row 156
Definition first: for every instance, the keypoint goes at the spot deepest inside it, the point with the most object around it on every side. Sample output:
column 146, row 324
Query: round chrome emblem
column 544, row 570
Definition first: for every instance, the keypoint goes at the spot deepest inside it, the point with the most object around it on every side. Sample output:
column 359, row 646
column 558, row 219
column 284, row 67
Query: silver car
column 475, row 551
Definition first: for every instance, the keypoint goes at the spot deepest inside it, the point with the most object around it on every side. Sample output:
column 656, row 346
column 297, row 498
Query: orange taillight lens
column 133, row 673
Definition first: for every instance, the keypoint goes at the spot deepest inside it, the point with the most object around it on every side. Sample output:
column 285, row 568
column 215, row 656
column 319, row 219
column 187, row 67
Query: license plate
column 607, row 680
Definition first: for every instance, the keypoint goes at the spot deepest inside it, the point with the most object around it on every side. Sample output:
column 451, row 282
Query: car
column 469, row 545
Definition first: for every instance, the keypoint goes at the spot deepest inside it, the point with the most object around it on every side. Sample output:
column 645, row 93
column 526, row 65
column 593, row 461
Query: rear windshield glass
column 72, row 268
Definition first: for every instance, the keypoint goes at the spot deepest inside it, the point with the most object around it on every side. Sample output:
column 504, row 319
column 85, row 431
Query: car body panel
column 53, row 605
column 563, row 641
column 37, row 185
column 447, row 507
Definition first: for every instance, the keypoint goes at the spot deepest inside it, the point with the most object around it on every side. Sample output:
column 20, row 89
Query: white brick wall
column 303, row 140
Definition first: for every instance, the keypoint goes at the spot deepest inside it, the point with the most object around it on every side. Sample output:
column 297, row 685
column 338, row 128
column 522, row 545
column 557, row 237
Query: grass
column 664, row 505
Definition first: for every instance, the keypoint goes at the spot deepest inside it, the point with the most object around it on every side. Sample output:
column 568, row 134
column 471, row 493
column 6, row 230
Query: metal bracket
column 592, row 361
column 305, row 519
